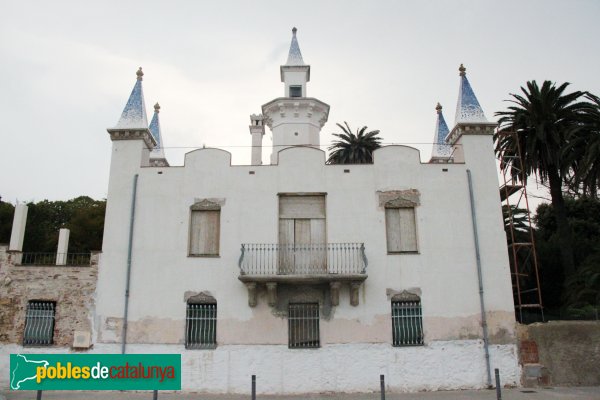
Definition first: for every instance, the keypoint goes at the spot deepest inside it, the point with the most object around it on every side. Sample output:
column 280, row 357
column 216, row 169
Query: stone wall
column 560, row 353
column 72, row 288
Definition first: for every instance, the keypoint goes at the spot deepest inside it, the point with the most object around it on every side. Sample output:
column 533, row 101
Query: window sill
column 392, row 253
column 206, row 347
column 204, row 255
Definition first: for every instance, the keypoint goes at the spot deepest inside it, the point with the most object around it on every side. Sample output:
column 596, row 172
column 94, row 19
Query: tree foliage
column 582, row 152
column 353, row 148
column 531, row 140
column 7, row 211
column 580, row 290
column 83, row 215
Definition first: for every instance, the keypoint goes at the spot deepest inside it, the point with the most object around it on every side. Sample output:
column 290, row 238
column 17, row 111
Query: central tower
column 295, row 119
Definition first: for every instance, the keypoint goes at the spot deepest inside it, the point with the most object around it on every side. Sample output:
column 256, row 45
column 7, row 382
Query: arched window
column 201, row 322
column 407, row 320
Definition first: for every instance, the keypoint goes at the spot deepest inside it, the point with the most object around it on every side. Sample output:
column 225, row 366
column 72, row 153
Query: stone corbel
column 354, row 286
column 251, row 286
column 335, row 293
column 272, row 293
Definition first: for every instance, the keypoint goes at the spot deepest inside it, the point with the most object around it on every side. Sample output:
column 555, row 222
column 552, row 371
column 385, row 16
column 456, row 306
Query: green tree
column 581, row 289
column 7, row 212
column 583, row 152
column 83, row 215
column 539, row 124
column 353, row 149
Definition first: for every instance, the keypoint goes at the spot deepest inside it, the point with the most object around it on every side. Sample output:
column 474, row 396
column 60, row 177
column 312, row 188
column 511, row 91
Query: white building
column 312, row 277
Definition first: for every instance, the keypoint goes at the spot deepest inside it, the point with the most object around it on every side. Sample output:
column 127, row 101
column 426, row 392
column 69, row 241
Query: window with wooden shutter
column 205, row 229
column 302, row 234
column 401, row 230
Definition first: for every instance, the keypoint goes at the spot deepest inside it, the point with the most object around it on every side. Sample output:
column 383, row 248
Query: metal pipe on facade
column 479, row 277
column 128, row 279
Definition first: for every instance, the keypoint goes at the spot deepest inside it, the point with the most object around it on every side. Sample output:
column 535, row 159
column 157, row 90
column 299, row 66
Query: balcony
column 331, row 263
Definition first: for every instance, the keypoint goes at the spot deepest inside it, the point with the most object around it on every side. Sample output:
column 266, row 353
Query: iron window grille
column 303, row 325
column 201, row 326
column 39, row 323
column 407, row 323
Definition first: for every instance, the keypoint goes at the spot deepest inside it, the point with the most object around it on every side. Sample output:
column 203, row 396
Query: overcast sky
column 67, row 69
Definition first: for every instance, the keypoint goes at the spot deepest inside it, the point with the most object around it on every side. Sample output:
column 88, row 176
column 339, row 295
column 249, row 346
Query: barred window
column 303, row 324
column 407, row 321
column 39, row 323
column 201, row 326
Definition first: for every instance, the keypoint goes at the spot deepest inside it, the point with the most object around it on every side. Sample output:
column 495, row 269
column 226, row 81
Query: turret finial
column 157, row 108
column 294, row 30
column 139, row 74
column 438, row 108
column 462, row 70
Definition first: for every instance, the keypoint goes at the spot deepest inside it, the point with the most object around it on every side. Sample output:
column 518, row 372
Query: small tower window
column 295, row 91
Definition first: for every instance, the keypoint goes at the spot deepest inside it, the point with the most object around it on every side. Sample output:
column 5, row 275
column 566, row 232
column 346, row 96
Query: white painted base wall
column 443, row 365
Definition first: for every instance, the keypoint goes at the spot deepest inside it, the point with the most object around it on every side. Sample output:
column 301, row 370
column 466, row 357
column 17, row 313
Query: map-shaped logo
column 23, row 369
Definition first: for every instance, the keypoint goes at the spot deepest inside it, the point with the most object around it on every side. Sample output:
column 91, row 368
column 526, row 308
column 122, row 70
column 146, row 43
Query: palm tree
column 354, row 149
column 532, row 136
column 583, row 151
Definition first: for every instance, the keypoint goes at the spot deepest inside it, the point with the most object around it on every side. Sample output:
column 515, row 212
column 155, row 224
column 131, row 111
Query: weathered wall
column 72, row 288
column 568, row 350
column 444, row 269
column 337, row 368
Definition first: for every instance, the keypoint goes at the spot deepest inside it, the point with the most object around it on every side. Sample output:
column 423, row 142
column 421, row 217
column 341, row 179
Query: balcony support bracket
column 354, row 286
column 251, row 293
column 334, row 289
column 272, row 293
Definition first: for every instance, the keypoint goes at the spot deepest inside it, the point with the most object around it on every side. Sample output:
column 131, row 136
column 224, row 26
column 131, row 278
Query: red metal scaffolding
column 520, row 238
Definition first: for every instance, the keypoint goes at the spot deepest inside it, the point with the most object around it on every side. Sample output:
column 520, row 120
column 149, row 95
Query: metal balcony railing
column 54, row 259
column 303, row 259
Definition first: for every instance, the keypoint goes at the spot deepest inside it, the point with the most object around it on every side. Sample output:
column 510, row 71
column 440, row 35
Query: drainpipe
column 481, row 303
column 128, row 280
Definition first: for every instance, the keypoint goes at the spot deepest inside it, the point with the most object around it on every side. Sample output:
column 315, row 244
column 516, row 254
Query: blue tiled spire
column 134, row 113
column 467, row 107
column 295, row 56
column 154, row 128
column 440, row 148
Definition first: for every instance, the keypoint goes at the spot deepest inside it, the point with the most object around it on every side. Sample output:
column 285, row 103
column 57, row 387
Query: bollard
column 498, row 389
column 253, row 387
column 155, row 395
column 39, row 395
column 382, row 383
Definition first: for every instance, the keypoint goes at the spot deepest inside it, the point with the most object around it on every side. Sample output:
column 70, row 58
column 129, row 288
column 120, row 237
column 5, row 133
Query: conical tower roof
column 440, row 148
column 157, row 155
column 294, row 56
column 154, row 128
column 134, row 113
column 467, row 107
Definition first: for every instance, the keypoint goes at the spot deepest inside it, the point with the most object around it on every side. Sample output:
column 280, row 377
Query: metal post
column 382, row 384
column 155, row 395
column 253, row 387
column 39, row 395
column 128, row 276
column 479, row 277
column 498, row 388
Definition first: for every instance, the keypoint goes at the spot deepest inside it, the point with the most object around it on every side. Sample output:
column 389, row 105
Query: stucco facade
column 147, row 245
